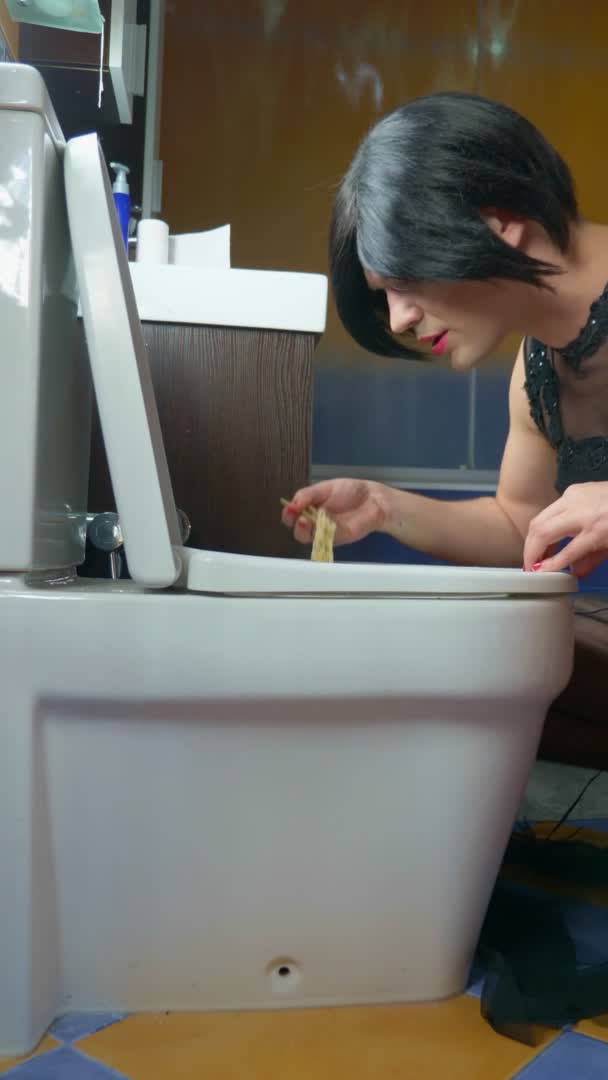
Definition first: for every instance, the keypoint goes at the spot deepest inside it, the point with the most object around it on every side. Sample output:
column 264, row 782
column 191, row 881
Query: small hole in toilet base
column 284, row 976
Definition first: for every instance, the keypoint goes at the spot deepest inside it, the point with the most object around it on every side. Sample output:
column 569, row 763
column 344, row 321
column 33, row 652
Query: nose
column 403, row 314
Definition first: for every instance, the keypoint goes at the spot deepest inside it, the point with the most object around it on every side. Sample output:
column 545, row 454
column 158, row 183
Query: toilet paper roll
column 152, row 241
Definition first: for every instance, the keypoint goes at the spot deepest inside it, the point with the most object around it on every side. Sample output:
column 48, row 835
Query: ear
column 507, row 226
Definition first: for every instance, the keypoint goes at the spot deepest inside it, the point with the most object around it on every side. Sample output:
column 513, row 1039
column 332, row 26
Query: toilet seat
column 250, row 575
column 136, row 454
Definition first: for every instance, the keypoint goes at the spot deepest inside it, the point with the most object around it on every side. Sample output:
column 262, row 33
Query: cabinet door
column 235, row 410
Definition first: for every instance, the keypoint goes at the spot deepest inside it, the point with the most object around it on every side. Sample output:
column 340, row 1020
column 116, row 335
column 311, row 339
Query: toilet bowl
column 230, row 782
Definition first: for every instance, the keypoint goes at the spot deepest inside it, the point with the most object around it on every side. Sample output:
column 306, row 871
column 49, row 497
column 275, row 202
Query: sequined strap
column 542, row 388
column 592, row 335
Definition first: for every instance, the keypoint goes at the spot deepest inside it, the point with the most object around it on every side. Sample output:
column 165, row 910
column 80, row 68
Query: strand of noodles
column 323, row 541
column 325, row 530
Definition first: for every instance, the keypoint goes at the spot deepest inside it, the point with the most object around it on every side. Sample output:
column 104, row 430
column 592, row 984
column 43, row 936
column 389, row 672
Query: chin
column 467, row 357
column 461, row 360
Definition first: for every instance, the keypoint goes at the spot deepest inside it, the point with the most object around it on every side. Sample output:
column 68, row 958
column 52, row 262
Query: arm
column 484, row 531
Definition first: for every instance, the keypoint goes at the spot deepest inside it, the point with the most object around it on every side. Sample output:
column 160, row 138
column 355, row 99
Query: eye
column 401, row 288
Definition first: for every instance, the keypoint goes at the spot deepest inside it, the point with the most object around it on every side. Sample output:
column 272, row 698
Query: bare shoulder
column 519, row 406
column 527, row 474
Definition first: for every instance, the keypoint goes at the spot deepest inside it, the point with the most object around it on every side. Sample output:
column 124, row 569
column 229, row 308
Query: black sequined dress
column 568, row 396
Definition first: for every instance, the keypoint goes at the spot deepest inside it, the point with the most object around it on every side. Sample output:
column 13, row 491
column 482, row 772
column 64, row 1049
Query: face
column 463, row 321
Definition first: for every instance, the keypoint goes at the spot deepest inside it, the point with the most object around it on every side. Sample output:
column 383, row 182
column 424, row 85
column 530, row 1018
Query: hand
column 580, row 513
column 356, row 506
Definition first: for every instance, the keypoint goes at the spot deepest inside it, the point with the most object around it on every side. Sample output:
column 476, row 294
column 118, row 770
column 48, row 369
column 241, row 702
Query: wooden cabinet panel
column 235, row 409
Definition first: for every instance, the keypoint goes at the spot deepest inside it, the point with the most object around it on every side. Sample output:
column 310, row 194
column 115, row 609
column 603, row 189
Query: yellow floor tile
column 586, row 894
column 598, row 1028
column 48, row 1043
column 425, row 1042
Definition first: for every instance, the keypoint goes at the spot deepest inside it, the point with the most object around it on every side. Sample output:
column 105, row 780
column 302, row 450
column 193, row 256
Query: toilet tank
column 45, row 396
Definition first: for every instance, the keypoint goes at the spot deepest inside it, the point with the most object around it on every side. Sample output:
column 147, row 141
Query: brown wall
column 264, row 103
column 10, row 29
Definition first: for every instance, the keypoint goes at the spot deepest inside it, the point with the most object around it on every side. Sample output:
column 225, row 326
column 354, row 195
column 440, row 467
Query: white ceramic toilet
column 231, row 782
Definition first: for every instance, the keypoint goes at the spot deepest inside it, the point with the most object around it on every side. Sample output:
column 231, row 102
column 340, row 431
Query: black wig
column 409, row 207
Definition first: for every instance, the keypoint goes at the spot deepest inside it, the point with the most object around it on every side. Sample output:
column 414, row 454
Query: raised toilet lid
column 136, row 454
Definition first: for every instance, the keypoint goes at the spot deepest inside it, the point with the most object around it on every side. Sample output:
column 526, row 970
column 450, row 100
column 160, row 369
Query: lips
column 438, row 341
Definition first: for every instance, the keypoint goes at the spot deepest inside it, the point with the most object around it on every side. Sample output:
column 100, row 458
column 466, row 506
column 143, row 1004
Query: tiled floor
column 447, row 1041
column 444, row 1041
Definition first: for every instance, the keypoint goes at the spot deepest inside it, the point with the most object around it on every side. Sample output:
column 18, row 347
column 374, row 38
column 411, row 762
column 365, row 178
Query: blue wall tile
column 412, row 418
column 403, row 418
column 491, row 418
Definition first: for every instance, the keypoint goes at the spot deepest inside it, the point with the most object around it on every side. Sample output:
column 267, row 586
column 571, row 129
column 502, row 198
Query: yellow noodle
column 324, row 532
column 323, row 542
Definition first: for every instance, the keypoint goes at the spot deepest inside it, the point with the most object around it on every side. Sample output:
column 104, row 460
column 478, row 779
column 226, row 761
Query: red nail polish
column 537, row 565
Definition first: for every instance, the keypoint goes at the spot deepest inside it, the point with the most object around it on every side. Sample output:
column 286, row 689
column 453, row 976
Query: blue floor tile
column 477, row 977
column 77, row 1025
column 570, row 1057
column 588, row 928
column 587, row 924
column 599, row 824
column 62, row 1064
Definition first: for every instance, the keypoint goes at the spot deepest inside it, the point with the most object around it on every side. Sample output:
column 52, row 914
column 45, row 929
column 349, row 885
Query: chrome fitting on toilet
column 105, row 534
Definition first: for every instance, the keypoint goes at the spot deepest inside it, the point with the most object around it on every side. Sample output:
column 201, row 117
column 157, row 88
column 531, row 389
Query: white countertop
column 261, row 299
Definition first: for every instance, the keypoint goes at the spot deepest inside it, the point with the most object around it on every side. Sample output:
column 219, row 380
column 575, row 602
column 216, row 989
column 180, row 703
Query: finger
column 290, row 512
column 585, row 566
column 536, row 565
column 314, row 495
column 289, row 515
column 541, row 537
column 580, row 547
column 302, row 531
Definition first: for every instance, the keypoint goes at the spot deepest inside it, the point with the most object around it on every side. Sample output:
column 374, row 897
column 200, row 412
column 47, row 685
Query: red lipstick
column 438, row 340
column 440, row 343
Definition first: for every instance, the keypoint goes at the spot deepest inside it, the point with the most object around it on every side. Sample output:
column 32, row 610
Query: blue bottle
column 122, row 199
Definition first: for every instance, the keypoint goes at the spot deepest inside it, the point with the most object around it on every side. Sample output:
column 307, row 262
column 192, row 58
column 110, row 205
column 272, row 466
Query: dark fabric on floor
column 528, row 947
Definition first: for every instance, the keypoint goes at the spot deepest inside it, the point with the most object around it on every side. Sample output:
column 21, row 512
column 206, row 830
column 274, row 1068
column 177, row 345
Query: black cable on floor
column 565, row 816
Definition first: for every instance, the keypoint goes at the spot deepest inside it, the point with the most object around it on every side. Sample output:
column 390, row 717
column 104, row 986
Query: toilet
column 229, row 782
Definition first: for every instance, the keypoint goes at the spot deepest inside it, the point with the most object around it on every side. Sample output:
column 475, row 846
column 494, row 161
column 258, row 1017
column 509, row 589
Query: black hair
column 409, row 205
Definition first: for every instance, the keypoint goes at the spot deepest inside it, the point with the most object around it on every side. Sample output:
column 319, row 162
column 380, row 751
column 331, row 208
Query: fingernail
column 537, row 565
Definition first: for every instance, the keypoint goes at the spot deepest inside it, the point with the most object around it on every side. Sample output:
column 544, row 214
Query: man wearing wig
column 455, row 225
